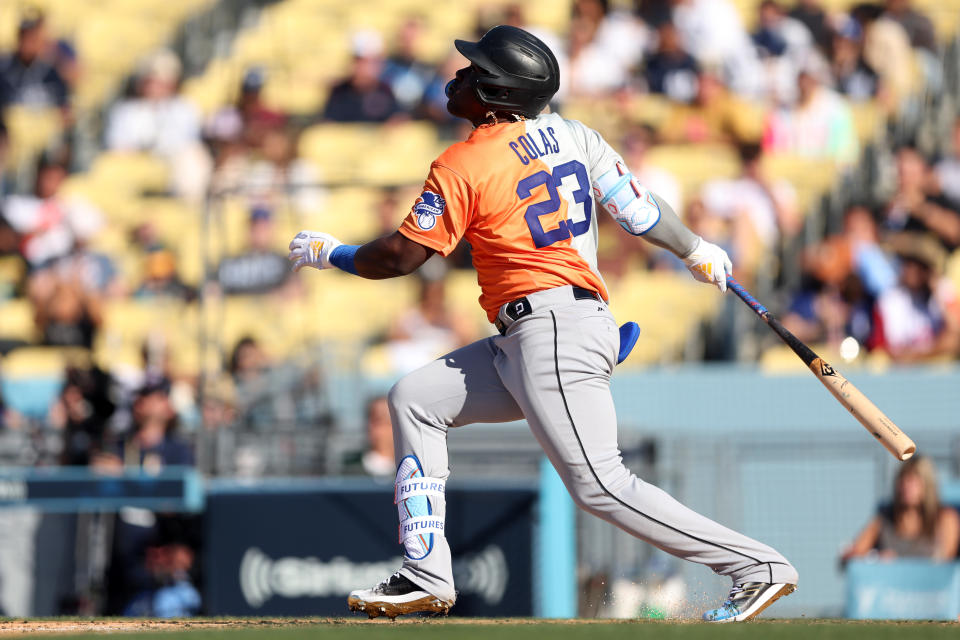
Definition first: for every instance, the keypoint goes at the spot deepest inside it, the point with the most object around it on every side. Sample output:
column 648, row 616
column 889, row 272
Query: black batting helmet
column 519, row 72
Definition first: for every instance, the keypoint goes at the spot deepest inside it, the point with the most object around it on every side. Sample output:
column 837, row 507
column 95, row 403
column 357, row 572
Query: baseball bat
column 890, row 436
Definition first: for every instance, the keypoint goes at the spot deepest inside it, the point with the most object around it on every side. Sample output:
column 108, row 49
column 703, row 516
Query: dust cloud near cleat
column 396, row 596
column 747, row 600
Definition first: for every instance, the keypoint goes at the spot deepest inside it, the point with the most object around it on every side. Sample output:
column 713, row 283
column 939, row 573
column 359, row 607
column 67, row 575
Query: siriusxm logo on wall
column 301, row 551
column 483, row 574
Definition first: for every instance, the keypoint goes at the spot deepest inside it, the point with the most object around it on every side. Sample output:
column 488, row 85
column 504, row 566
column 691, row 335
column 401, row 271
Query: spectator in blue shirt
column 363, row 96
column 407, row 75
column 672, row 71
column 27, row 77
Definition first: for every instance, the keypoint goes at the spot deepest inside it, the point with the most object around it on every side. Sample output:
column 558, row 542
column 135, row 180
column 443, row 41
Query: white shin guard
column 421, row 506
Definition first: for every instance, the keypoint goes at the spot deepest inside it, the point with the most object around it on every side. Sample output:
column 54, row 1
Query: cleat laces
column 729, row 602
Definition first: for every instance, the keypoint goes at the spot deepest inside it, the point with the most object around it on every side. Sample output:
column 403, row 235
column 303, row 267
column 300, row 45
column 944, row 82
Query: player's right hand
column 312, row 249
column 709, row 263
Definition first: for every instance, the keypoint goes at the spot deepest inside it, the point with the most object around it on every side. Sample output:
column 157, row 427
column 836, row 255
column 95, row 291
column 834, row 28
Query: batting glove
column 709, row 263
column 312, row 249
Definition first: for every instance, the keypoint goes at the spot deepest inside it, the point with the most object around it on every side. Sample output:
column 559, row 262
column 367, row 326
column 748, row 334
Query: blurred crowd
column 789, row 85
column 879, row 283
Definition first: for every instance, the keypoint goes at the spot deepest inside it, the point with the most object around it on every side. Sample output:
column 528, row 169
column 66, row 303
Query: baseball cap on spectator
column 157, row 386
column 162, row 64
column 849, row 29
column 919, row 247
column 65, row 50
column 366, row 44
column 260, row 213
column 31, row 19
column 253, row 80
column 254, row 113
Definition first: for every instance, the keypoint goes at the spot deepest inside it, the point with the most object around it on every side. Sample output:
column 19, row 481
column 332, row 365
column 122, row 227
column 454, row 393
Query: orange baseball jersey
column 520, row 193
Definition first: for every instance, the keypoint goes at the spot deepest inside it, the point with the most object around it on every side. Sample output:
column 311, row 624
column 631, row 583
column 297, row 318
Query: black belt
column 521, row 307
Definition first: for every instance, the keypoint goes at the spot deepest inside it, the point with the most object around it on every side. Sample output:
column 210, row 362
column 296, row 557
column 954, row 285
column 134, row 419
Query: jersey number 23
column 553, row 181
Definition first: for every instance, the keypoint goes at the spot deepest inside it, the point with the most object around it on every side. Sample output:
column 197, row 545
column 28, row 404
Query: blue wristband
column 342, row 257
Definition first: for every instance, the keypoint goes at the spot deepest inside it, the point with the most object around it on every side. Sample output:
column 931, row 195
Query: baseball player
column 524, row 190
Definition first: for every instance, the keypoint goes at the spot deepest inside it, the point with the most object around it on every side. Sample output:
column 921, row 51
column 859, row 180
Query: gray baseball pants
column 553, row 368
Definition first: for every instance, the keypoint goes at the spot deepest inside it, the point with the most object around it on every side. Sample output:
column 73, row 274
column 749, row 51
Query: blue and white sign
column 903, row 590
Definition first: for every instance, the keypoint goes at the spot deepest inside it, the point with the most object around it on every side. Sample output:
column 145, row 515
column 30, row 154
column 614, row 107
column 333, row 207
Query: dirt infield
column 126, row 625
column 471, row 628
column 17, row 626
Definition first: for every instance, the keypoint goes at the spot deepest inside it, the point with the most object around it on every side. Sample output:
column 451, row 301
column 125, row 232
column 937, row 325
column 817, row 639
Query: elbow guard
column 624, row 198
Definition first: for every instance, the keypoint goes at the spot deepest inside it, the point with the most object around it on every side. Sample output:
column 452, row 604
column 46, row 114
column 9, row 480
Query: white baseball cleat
column 747, row 600
column 394, row 597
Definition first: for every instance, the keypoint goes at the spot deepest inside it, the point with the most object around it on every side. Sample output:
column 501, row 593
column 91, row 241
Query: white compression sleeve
column 626, row 200
column 641, row 213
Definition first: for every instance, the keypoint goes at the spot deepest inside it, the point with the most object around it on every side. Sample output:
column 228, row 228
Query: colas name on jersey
column 535, row 144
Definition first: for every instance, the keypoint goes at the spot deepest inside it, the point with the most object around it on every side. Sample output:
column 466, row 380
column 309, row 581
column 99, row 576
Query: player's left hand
column 709, row 263
column 312, row 249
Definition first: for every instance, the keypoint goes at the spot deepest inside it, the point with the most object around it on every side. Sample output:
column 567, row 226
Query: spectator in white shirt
column 760, row 212
column 157, row 120
column 713, row 33
column 604, row 46
column 49, row 223
column 783, row 44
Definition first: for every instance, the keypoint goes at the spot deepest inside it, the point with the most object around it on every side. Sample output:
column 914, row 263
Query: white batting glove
column 312, row 249
column 709, row 263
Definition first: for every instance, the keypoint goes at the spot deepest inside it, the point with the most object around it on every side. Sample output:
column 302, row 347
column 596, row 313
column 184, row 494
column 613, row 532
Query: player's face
column 461, row 101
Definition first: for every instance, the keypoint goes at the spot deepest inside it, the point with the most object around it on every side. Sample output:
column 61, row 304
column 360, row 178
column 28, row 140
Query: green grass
column 460, row 629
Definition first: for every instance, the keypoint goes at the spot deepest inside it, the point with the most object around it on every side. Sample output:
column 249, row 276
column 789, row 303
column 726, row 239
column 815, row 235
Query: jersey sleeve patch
column 428, row 207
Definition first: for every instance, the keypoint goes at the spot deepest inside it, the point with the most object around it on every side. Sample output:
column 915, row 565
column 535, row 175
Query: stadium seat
column 30, row 131
column 953, row 269
column 945, row 15
column 463, row 293
column 810, row 177
column 334, row 148
column 127, row 324
column 17, row 320
column 42, row 362
column 666, row 305
column 867, row 119
column 295, row 93
column 367, row 154
column 693, row 165
column 12, row 271
column 217, row 86
column 133, row 173
column 341, row 308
